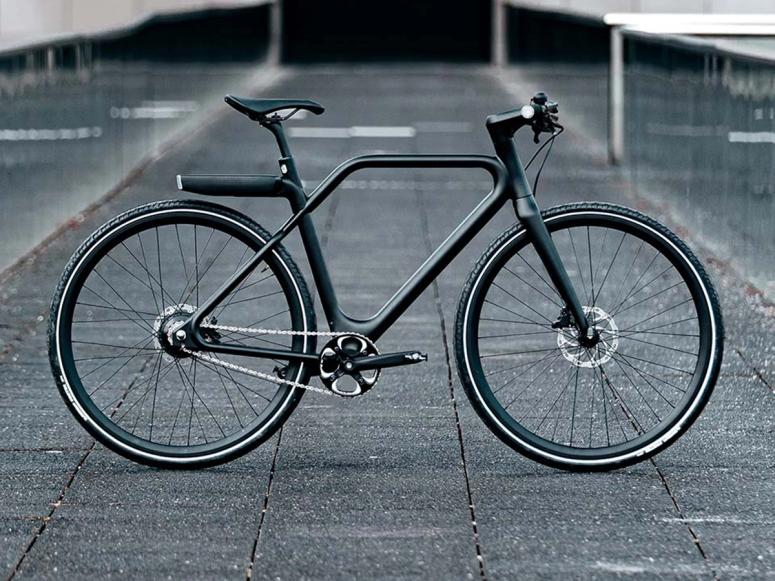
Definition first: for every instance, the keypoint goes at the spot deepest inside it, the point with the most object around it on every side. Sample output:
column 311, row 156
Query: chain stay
column 267, row 376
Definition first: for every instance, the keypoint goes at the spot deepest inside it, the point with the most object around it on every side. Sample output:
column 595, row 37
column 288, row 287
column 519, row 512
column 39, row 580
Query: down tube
column 376, row 326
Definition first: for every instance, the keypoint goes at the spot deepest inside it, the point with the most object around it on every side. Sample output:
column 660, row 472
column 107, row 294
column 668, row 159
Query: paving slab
column 380, row 487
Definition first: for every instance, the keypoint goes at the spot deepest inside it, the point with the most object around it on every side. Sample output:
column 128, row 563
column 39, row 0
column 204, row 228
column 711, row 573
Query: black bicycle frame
column 509, row 183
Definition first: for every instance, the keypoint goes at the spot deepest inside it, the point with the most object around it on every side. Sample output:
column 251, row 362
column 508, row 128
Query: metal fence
column 77, row 115
column 700, row 136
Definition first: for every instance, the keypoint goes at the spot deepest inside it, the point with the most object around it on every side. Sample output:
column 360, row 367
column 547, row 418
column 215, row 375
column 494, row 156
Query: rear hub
column 166, row 328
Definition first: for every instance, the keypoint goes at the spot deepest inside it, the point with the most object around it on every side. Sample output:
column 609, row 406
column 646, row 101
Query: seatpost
column 287, row 164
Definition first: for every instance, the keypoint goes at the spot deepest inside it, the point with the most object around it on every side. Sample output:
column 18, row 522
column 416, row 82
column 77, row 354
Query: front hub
column 597, row 347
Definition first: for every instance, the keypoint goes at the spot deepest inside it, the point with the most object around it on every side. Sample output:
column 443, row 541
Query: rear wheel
column 110, row 354
column 622, row 397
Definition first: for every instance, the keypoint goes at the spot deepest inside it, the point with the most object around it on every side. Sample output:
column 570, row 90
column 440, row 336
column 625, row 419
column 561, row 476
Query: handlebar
column 541, row 114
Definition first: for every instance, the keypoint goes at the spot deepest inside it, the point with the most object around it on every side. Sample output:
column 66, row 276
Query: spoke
column 126, row 409
column 603, row 382
column 624, row 359
column 530, row 266
column 123, row 397
column 145, row 267
column 241, row 386
column 196, row 266
column 605, row 411
column 591, row 276
column 144, row 341
column 654, row 363
column 597, row 268
column 99, row 321
column 515, row 275
column 520, row 301
column 119, row 295
column 257, row 297
column 158, row 258
column 653, row 411
column 532, row 381
column 637, row 281
column 206, row 270
column 560, row 379
column 124, row 364
column 241, row 286
column 525, row 319
column 629, row 330
column 139, row 321
column 660, row 345
column 192, row 411
column 561, row 397
column 195, row 275
column 591, row 413
column 620, row 400
column 115, row 308
column 644, row 286
column 608, row 271
column 182, row 257
column 578, row 263
column 228, row 396
column 532, row 364
column 148, row 284
column 659, row 393
column 155, row 389
column 633, row 333
column 573, row 410
column 518, row 334
column 629, row 272
column 111, row 346
column 662, row 312
column 649, row 297
column 504, row 354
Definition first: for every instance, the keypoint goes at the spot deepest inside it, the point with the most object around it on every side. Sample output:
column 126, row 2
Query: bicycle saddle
column 258, row 109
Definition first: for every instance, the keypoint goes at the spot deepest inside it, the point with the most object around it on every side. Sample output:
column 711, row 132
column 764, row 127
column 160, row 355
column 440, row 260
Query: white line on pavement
column 752, row 137
column 155, row 110
column 354, row 131
column 62, row 134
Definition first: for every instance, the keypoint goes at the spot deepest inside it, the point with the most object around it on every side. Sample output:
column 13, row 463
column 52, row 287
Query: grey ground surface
column 380, row 487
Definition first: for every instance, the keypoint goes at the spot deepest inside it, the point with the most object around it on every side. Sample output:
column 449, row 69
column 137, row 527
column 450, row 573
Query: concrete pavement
column 405, row 482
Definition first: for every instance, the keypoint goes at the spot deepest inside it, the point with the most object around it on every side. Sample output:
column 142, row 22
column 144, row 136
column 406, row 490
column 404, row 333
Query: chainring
column 336, row 360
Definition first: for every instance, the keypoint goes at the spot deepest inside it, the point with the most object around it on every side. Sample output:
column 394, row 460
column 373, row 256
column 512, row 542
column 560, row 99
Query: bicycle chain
column 260, row 374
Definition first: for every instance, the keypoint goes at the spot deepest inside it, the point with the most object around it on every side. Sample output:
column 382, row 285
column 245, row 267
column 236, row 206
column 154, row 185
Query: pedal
column 389, row 360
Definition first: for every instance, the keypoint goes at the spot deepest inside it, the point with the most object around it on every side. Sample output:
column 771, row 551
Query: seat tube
column 529, row 215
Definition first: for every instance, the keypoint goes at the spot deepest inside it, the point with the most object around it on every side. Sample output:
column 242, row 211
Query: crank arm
column 388, row 360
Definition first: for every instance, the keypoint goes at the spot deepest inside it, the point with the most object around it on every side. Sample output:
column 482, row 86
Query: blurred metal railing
column 662, row 24
column 48, row 52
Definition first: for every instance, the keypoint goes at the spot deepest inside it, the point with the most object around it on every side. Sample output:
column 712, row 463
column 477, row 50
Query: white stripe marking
column 63, row 134
column 752, row 137
column 155, row 110
column 443, row 126
column 354, row 131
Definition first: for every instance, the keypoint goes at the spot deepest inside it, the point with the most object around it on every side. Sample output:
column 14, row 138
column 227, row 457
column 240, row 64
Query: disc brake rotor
column 600, row 323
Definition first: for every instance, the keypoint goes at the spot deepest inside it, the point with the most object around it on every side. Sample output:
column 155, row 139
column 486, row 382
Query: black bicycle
column 182, row 333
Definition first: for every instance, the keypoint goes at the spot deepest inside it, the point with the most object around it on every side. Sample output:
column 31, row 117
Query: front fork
column 529, row 215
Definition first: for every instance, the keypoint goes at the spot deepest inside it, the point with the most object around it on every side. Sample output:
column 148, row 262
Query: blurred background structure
column 103, row 102
column 89, row 90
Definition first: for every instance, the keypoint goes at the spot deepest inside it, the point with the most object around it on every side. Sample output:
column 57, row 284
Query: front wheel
column 650, row 369
column 132, row 281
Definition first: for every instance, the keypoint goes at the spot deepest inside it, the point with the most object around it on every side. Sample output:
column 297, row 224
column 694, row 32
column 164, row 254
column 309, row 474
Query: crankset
column 355, row 359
